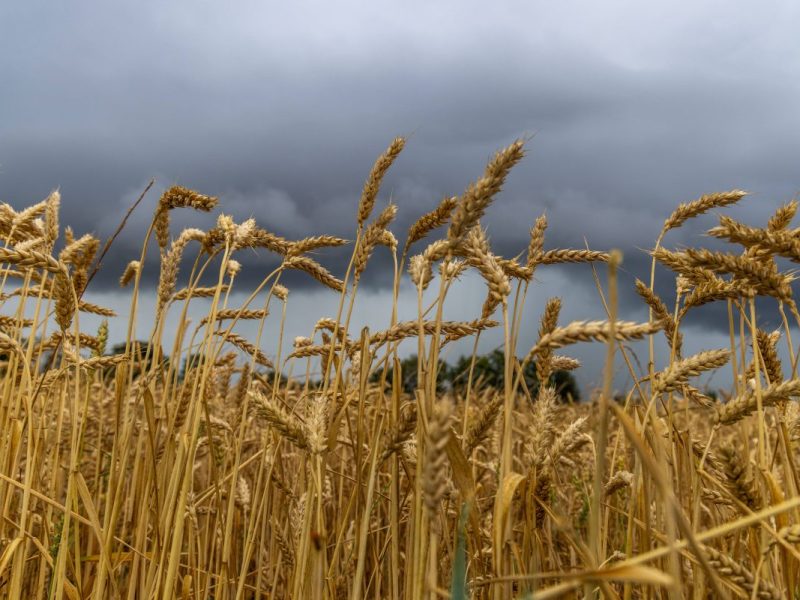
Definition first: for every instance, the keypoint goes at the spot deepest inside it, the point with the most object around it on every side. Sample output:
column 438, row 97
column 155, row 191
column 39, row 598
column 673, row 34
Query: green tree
column 408, row 373
column 489, row 371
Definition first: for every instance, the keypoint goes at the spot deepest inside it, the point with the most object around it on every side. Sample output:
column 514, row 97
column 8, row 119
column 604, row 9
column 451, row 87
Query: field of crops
column 199, row 462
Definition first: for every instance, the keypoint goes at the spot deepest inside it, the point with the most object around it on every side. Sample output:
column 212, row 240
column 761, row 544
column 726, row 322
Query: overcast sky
column 281, row 109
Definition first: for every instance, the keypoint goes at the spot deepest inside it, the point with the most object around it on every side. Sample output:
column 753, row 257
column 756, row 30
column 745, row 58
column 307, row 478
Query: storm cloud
column 281, row 108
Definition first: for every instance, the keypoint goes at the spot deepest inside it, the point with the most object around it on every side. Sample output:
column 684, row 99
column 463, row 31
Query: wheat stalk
column 548, row 324
column 31, row 259
column 289, row 426
column 131, row 270
column 434, row 479
column 373, row 235
column 477, row 196
column 432, row 220
column 310, row 244
column 65, row 300
column 552, row 257
column 766, row 279
column 564, row 363
column 451, row 329
column 679, row 372
column 373, row 183
column 743, row 405
column 198, row 292
column 476, row 248
column 316, row 270
column 239, row 314
column 399, row 434
column 740, row 575
column 178, row 197
column 480, row 426
column 170, row 264
column 661, row 313
column 618, row 481
column 585, row 331
column 760, row 243
column 783, row 216
column 702, row 205
column 247, row 347
column 536, row 244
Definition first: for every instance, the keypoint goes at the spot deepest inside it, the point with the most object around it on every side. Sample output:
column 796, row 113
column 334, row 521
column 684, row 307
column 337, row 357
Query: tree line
column 488, row 371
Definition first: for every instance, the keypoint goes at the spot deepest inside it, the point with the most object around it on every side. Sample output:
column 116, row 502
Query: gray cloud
column 281, row 111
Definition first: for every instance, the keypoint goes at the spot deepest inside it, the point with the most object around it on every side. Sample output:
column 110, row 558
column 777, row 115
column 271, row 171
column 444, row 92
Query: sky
column 280, row 109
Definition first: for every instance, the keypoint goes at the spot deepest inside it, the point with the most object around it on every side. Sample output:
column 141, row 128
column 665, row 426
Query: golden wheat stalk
column 536, row 243
column 51, row 218
column 310, row 244
column 236, row 313
column 31, row 259
column 766, row 279
column 760, row 243
column 569, row 442
column 477, row 196
column 789, row 534
column 316, row 270
column 564, row 363
column 476, row 249
column 8, row 322
column 83, row 339
column 741, row 576
column 512, row 268
column 430, row 221
column 371, row 187
column 451, row 329
column 741, row 406
column 420, row 271
column 247, row 348
column 373, row 235
column 553, row 257
column 178, row 197
column 131, row 270
column 316, row 350
column 480, row 426
column 95, row 309
column 679, row 372
column 289, row 426
column 170, row 263
column 767, row 346
column 102, row 339
column 399, row 434
column 618, row 481
column 586, row 331
column 434, row 478
column 739, row 477
column 702, row 205
column 104, row 362
column 65, row 295
column 715, row 291
column 80, row 252
column 783, row 216
column 695, row 395
column 661, row 313
column 548, row 324
column 198, row 292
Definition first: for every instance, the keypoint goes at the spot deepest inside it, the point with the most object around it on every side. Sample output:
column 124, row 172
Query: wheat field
column 207, row 464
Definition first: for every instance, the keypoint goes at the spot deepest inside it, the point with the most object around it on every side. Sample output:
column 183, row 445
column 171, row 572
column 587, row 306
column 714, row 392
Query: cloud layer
column 281, row 110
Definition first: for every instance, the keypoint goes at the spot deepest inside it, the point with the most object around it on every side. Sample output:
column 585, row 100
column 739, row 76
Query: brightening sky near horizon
column 280, row 109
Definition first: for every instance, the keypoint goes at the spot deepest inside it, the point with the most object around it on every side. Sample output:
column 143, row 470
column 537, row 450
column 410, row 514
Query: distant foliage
column 488, row 372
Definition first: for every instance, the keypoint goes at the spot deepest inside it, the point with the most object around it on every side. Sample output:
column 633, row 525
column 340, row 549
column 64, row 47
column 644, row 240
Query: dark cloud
column 281, row 110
